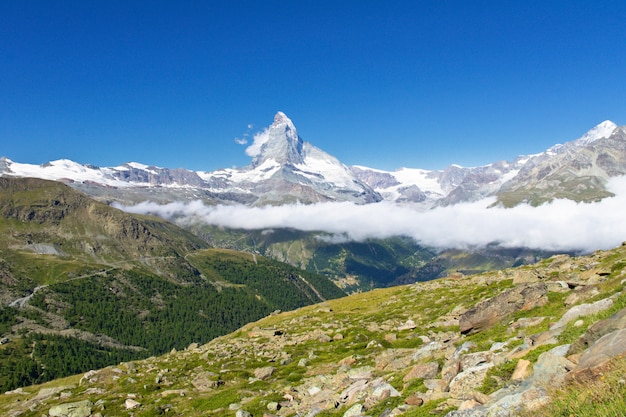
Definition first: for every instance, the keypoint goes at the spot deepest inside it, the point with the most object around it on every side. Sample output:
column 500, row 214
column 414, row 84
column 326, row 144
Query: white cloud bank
column 562, row 225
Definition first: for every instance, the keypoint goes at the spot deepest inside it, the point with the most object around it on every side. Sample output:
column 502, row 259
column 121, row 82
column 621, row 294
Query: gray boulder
column 595, row 359
column 489, row 312
column 597, row 330
column 75, row 409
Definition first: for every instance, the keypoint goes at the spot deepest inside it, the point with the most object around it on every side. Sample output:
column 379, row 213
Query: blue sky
column 419, row 84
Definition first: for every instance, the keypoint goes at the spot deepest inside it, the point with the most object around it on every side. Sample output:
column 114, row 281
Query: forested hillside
column 83, row 285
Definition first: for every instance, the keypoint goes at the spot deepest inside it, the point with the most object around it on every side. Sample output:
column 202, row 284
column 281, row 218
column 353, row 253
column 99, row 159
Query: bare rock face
column 488, row 312
column 596, row 331
column 594, row 360
column 464, row 384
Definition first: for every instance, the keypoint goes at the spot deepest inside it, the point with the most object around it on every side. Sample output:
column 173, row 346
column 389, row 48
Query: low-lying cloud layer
column 562, row 225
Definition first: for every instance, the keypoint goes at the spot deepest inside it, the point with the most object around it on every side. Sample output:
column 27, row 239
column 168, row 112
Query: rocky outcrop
column 488, row 312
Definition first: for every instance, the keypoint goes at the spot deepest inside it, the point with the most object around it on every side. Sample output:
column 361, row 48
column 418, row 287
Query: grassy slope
column 361, row 327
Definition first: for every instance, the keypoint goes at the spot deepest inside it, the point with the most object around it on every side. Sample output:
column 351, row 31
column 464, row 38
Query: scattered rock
column 413, row 399
column 472, row 360
column 424, row 371
column 409, row 325
column 597, row 330
column 550, row 370
column 264, row 373
column 131, row 404
column 273, row 406
column 465, row 383
column 354, row 411
column 75, row 409
column 522, row 370
column 488, row 312
column 243, row 413
column 582, row 310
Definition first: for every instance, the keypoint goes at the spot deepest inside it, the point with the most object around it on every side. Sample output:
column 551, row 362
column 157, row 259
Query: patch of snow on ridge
column 63, row 169
column 422, row 178
column 326, row 167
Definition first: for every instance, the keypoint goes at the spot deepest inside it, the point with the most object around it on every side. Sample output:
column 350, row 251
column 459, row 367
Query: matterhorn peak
column 282, row 144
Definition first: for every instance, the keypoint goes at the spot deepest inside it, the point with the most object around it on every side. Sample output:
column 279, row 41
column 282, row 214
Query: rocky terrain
column 505, row 343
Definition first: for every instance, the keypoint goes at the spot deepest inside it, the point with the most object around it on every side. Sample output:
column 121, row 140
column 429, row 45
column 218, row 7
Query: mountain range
column 285, row 169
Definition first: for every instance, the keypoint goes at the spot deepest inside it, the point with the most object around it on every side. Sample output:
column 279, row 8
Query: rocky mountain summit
column 546, row 339
column 286, row 169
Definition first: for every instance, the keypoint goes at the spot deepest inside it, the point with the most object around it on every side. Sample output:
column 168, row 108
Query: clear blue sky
column 380, row 83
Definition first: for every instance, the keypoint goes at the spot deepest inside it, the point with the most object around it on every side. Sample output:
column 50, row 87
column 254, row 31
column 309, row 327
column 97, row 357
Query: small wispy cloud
column 243, row 140
column 562, row 225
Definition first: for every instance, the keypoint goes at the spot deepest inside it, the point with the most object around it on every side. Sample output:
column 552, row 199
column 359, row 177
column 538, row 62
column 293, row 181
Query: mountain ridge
column 286, row 169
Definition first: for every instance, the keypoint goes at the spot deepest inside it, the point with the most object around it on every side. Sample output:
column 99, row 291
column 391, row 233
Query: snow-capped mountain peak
column 280, row 142
column 601, row 131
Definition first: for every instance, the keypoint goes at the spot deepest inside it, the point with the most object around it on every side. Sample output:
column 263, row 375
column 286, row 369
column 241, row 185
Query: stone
column 347, row 361
column 450, row 370
column 468, row 381
column 75, row 409
column 391, row 337
column 414, row 400
column 435, row 385
column 522, row 370
column 524, row 276
column 264, row 373
column 409, row 325
column 131, row 404
column 597, row 330
column 471, row 360
column 480, row 398
column 354, row 411
column 468, row 404
column 582, row 310
column 364, row 372
column 243, row 413
column 205, row 381
column 525, row 322
column 424, row 371
column 593, row 360
column 382, row 392
column 550, row 370
column 46, row 393
column 580, row 294
column 273, row 406
column 490, row 311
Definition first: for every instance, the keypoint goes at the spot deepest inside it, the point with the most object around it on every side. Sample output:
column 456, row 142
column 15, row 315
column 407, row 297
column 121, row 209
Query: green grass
column 498, row 376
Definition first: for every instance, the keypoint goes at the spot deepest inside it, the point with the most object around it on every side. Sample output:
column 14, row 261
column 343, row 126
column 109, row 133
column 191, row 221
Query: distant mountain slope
column 83, row 284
